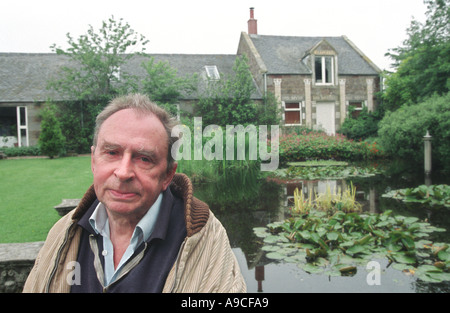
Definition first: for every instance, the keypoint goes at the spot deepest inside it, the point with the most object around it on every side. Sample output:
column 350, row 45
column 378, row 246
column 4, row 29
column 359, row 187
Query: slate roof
column 24, row 76
column 283, row 54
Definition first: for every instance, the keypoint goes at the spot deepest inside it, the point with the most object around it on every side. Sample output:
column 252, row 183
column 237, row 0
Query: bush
column 21, row 151
column 362, row 127
column 51, row 139
column 317, row 145
column 401, row 132
column 228, row 101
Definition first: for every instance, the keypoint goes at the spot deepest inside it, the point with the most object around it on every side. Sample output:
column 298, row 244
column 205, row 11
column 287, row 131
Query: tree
column 51, row 139
column 401, row 132
column 163, row 85
column 94, row 76
column 423, row 62
column 227, row 101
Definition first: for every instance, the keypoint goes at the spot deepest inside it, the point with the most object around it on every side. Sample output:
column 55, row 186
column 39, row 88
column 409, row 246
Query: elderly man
column 138, row 228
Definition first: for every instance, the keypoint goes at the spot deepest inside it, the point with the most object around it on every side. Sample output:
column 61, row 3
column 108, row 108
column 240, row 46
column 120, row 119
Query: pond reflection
column 242, row 203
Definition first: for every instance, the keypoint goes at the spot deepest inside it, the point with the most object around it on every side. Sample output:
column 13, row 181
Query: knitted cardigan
column 205, row 261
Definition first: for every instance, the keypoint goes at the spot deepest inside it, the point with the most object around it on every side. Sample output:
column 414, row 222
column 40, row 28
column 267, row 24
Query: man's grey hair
column 143, row 105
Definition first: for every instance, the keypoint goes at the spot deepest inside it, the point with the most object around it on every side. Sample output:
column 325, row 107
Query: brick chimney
column 252, row 24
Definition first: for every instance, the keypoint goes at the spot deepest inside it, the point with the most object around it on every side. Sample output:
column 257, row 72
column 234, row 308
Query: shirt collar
column 99, row 218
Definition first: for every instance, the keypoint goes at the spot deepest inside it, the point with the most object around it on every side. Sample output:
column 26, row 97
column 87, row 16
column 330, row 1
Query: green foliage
column 51, row 139
column 268, row 113
column 95, row 76
column 318, row 145
column 362, row 127
column 330, row 201
column 337, row 244
column 77, row 125
column 21, row 151
column 401, row 132
column 438, row 195
column 423, row 62
column 96, row 73
column 227, row 101
column 164, row 86
column 328, row 172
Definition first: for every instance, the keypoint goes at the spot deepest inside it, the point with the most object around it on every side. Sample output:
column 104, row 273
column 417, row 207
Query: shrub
column 51, row 139
column 401, row 132
column 362, row 127
column 316, row 145
column 228, row 101
column 21, row 151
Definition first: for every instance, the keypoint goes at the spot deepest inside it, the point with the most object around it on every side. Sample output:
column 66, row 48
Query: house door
column 325, row 117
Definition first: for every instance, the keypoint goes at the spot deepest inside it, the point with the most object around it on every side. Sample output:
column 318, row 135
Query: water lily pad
column 311, row 269
column 403, row 267
column 270, row 248
column 356, row 249
column 332, row 235
column 431, row 273
column 276, row 256
column 299, row 257
column 439, row 277
column 444, row 255
column 333, row 272
column 402, row 258
column 272, row 239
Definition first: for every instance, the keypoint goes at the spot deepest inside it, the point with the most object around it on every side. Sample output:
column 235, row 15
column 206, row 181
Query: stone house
column 315, row 80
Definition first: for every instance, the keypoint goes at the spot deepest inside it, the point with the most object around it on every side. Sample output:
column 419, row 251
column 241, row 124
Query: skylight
column 212, row 72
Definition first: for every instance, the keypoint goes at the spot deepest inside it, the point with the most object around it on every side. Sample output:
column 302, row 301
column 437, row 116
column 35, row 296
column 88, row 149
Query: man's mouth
column 122, row 195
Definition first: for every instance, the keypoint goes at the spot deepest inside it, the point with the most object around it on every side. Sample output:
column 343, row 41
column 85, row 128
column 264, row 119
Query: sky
column 209, row 26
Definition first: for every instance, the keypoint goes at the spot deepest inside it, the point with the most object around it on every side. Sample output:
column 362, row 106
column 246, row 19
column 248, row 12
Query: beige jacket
column 205, row 262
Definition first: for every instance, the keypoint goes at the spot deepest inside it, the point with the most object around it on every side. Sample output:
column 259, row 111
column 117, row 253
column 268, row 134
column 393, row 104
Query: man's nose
column 124, row 170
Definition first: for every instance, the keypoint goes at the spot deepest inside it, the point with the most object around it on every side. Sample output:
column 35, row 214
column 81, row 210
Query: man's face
column 129, row 163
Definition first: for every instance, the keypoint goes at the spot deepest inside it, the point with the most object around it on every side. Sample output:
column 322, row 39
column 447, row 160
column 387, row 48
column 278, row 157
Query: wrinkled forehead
column 132, row 126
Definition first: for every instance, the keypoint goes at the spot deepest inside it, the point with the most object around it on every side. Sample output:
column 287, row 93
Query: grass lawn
column 30, row 188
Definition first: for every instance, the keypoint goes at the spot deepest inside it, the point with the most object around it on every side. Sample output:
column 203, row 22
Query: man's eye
column 111, row 153
column 146, row 159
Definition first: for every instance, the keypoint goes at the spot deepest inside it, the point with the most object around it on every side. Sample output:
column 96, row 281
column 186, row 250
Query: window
column 357, row 107
column 324, row 70
column 292, row 113
column 212, row 72
column 22, row 126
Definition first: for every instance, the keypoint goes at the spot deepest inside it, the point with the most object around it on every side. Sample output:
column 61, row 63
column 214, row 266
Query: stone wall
column 16, row 261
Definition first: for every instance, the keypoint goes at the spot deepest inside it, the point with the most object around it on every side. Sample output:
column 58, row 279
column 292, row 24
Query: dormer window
column 212, row 72
column 324, row 70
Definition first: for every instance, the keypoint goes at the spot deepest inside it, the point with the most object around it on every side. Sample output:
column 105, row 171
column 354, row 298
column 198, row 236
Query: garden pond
column 247, row 204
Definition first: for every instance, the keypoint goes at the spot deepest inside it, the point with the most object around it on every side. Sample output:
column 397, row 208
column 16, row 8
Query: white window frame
column 323, row 68
column 21, row 127
column 349, row 103
column 212, row 72
column 299, row 109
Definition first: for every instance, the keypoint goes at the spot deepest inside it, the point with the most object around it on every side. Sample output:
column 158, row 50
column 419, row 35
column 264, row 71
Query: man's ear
column 169, row 176
column 92, row 158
